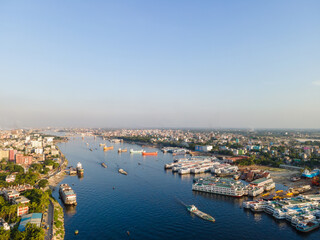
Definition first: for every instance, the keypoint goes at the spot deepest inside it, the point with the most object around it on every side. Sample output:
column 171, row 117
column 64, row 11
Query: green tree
column 43, row 183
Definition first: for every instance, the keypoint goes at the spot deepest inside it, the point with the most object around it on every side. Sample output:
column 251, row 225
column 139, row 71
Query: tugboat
column 193, row 209
column 307, row 226
column 80, row 170
column 122, row 171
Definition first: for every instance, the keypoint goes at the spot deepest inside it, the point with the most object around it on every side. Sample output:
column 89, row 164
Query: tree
column 34, row 233
column 43, row 183
column 4, row 235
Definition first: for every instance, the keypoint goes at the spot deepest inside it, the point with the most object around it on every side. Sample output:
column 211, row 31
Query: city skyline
column 160, row 64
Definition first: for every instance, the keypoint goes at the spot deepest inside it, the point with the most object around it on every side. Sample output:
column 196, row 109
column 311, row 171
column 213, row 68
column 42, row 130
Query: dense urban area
column 32, row 165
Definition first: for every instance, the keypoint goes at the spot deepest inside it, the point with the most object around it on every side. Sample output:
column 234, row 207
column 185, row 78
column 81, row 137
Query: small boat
column 122, row 171
column 76, row 232
column 122, row 150
column 104, row 165
column 193, row 209
column 107, row 148
column 295, row 178
column 149, row 153
column 307, row 226
column 136, row 151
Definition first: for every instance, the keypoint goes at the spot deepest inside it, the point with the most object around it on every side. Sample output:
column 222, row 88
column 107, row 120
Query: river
column 148, row 202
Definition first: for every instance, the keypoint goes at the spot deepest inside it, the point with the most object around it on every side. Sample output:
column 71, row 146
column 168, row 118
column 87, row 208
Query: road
column 49, row 221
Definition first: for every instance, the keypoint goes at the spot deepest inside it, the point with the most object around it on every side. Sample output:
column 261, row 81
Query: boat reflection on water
column 70, row 210
column 222, row 198
column 257, row 217
column 185, row 177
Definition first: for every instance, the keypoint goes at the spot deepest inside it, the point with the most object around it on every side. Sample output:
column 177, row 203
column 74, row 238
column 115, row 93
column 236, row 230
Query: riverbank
column 58, row 226
column 282, row 176
column 58, row 218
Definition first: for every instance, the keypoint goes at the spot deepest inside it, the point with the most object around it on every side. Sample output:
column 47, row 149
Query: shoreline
column 53, row 181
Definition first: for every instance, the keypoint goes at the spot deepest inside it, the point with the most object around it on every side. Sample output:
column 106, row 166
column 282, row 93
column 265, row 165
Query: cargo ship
column 136, row 151
column 104, row 165
column 122, row 171
column 68, row 196
column 193, row 209
column 107, row 148
column 149, row 153
column 80, row 170
column 122, row 150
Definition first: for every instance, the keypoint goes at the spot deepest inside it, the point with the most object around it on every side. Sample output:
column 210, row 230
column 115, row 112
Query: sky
column 160, row 63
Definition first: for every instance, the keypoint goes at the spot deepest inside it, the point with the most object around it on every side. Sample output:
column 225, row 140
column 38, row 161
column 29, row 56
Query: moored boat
column 122, row 150
column 307, row 226
column 149, row 153
column 107, row 148
column 136, row 151
column 68, row 196
column 80, row 170
column 193, row 209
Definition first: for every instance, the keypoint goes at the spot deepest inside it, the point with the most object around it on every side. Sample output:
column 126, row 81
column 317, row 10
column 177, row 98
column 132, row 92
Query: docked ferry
column 68, row 196
column 221, row 186
column 307, row 226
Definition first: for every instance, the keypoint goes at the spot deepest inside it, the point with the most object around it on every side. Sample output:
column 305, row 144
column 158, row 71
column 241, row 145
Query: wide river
column 148, row 202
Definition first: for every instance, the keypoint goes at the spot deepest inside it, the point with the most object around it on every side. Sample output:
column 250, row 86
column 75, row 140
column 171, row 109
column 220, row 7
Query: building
column 36, row 144
column 10, row 178
column 33, row 218
column 262, row 181
column 11, row 194
column 23, row 208
column 12, row 154
column 23, row 160
column 4, row 224
column 206, row 148
column 4, row 154
column 54, row 152
column 38, row 150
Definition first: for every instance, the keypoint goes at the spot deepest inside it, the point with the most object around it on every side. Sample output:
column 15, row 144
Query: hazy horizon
column 160, row 64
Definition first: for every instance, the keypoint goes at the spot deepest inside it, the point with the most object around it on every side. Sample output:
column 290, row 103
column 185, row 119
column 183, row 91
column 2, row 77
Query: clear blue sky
column 160, row 63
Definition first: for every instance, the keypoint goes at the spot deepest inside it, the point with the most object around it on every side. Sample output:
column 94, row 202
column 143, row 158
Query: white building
column 206, row 148
column 36, row 144
column 38, row 150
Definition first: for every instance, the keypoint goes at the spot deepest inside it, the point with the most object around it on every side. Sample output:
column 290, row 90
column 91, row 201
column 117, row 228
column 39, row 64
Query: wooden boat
column 107, row 148
column 104, row 165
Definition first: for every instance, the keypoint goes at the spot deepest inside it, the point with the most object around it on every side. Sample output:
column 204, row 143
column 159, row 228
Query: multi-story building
column 12, row 154
column 23, row 160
